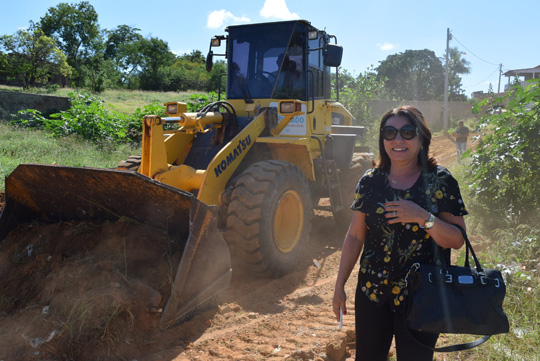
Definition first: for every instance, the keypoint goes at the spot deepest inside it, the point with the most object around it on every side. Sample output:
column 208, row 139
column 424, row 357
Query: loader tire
column 269, row 217
column 132, row 163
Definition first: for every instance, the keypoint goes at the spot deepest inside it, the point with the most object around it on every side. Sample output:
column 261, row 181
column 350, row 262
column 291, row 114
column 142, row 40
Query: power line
column 454, row 37
column 496, row 69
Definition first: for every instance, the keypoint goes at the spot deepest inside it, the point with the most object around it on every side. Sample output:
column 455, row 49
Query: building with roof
column 523, row 75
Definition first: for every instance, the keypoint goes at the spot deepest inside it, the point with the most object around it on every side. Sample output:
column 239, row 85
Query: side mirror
column 209, row 61
column 332, row 55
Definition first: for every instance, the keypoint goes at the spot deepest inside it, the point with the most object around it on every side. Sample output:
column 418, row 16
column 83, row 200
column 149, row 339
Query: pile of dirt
column 77, row 289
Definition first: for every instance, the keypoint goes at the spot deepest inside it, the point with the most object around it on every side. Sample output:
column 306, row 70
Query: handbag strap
column 438, row 258
column 469, row 249
column 451, row 348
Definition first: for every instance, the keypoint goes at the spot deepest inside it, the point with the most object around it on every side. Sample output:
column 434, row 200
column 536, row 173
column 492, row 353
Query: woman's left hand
column 402, row 211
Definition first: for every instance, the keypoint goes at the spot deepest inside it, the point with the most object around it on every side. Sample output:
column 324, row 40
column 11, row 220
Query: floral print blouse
column 391, row 249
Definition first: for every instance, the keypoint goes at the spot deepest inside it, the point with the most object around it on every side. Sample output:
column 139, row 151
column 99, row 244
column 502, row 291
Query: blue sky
column 489, row 32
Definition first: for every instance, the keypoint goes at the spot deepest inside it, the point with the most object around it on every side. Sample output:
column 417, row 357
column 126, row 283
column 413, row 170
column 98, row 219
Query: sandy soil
column 90, row 303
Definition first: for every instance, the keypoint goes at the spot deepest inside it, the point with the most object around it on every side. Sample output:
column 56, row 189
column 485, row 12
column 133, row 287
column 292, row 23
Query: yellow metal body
column 293, row 139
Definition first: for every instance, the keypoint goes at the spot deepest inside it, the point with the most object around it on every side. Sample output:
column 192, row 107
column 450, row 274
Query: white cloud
column 277, row 9
column 386, row 46
column 220, row 18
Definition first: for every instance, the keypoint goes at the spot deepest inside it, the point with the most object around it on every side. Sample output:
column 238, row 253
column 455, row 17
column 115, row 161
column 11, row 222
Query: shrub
column 504, row 167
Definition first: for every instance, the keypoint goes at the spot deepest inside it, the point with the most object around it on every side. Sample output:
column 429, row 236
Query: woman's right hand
column 339, row 300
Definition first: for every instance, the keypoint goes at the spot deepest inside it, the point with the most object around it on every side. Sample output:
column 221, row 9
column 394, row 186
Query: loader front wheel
column 269, row 217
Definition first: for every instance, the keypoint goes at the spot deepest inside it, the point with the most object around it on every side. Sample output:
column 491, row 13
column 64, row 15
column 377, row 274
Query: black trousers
column 376, row 325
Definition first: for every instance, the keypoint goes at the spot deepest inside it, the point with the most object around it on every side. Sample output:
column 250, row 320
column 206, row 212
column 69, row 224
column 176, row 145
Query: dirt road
column 259, row 319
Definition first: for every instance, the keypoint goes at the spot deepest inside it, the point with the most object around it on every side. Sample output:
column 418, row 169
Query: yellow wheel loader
column 239, row 178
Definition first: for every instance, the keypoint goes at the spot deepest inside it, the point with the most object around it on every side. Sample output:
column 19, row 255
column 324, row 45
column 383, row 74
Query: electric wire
column 499, row 66
column 485, row 61
column 496, row 69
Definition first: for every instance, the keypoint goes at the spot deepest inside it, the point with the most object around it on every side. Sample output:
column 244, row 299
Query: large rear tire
column 269, row 217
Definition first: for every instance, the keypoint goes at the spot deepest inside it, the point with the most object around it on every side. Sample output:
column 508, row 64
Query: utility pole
column 445, row 110
column 500, row 72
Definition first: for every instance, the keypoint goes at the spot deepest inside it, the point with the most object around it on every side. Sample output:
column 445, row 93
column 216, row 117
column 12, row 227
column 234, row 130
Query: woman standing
column 401, row 208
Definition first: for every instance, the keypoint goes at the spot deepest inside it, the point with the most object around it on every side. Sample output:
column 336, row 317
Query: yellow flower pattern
column 391, row 249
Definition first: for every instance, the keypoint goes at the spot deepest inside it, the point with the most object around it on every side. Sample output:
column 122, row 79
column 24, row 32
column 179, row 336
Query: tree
column 155, row 63
column 356, row 92
column 74, row 27
column 96, row 72
column 196, row 56
column 122, row 47
column 33, row 57
column 457, row 65
column 216, row 81
column 412, row 75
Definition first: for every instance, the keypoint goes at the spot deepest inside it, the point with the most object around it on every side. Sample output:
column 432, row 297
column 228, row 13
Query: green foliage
column 456, row 65
column 412, row 75
column 88, row 118
column 122, row 46
column 73, row 26
column 504, row 168
column 156, row 60
column 198, row 101
column 33, row 57
column 356, row 92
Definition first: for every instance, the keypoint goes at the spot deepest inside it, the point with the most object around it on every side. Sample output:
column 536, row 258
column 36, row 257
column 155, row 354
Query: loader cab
column 281, row 60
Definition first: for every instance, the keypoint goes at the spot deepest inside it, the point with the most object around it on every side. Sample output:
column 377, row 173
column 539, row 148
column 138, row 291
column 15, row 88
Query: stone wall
column 12, row 102
column 432, row 111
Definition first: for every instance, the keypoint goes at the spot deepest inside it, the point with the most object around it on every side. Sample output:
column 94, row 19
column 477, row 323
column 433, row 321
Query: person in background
column 461, row 134
column 403, row 207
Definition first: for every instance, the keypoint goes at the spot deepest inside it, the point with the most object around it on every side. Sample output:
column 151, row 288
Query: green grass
column 19, row 145
column 125, row 101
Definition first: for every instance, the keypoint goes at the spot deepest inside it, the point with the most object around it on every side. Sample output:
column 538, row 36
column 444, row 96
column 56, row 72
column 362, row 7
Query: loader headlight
column 174, row 109
column 287, row 107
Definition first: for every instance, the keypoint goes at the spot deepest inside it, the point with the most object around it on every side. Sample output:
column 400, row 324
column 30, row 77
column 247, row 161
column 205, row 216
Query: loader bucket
column 53, row 193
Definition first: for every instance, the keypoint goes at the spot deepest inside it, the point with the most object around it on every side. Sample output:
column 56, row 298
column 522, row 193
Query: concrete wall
column 432, row 110
column 12, row 102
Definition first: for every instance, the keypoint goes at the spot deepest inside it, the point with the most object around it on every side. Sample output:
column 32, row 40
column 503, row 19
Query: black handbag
column 454, row 299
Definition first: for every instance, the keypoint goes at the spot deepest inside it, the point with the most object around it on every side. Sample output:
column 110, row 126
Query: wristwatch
column 430, row 222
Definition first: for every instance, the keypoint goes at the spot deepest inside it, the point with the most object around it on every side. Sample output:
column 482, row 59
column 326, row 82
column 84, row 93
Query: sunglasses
column 407, row 132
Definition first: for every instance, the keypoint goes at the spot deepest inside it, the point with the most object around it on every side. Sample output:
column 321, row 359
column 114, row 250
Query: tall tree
column 412, row 75
column 96, row 72
column 155, row 65
column 122, row 47
column 457, row 65
column 73, row 26
column 33, row 57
